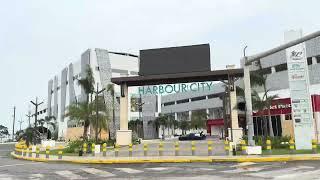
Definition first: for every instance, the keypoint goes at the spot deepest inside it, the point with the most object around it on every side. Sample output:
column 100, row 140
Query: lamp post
column 29, row 117
column 97, row 92
column 36, row 104
column 140, row 104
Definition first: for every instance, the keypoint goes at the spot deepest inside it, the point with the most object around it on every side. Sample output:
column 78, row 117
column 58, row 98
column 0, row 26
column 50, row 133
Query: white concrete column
column 316, row 123
column 190, row 114
column 124, row 101
column 247, row 92
column 314, row 60
column 273, row 69
column 234, row 111
column 124, row 135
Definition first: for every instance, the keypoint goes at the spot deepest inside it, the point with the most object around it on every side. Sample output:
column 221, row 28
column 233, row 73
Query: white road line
column 240, row 170
column 8, row 165
column 275, row 173
column 207, row 169
column 97, row 172
column 157, row 168
column 243, row 164
column 299, row 174
column 69, row 175
column 5, row 177
column 36, row 176
column 129, row 170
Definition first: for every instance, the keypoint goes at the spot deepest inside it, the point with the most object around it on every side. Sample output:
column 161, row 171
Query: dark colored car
column 192, row 136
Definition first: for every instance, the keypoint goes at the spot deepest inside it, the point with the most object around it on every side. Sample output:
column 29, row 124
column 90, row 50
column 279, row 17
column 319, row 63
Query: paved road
column 11, row 169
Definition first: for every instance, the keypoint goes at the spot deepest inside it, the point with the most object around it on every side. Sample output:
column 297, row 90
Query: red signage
column 283, row 106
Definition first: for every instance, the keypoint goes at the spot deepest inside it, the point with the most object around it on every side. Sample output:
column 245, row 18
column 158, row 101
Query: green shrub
column 277, row 142
column 73, row 146
column 76, row 145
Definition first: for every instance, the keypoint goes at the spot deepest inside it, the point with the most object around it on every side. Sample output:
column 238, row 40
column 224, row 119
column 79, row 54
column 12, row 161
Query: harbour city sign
column 175, row 88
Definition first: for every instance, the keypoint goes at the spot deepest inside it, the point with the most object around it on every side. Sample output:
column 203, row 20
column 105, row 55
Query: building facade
column 181, row 105
column 63, row 89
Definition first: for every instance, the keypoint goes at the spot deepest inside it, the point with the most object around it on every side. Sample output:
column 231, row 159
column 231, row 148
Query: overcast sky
column 38, row 38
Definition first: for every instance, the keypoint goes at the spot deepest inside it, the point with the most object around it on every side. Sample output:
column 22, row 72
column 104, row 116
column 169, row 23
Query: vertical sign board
column 299, row 90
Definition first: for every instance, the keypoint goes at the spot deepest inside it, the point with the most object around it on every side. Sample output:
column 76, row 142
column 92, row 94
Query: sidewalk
column 169, row 159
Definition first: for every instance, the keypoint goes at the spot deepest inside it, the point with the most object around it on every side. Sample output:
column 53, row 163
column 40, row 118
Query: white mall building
column 63, row 88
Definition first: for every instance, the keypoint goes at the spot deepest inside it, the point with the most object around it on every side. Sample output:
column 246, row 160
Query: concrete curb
column 186, row 159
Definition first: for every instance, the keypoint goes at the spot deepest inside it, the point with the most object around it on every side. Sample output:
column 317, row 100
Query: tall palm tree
column 198, row 119
column 87, row 83
column 160, row 122
column 184, row 125
column 31, row 135
column 136, row 125
column 81, row 112
column 110, row 89
column 259, row 79
column 101, row 122
column 262, row 103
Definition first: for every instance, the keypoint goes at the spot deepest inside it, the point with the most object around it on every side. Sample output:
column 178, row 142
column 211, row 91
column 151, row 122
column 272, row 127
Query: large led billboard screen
column 183, row 59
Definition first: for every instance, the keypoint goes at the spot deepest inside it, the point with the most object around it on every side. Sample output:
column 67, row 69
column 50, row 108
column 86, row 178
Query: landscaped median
column 168, row 159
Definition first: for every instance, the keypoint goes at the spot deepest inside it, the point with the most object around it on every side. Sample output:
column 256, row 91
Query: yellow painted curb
column 207, row 159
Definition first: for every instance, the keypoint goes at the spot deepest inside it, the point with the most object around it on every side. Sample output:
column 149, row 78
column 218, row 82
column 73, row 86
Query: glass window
column 198, row 98
column 309, row 60
column 281, row 67
column 183, row 101
column 288, row 117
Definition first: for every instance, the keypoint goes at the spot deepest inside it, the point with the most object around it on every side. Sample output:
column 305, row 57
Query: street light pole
column 29, row 117
column 36, row 104
column 20, row 122
column 97, row 92
column 14, row 121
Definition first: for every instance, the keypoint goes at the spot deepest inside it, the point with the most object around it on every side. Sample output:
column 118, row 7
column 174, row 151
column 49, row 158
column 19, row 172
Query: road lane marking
column 5, row 177
column 97, row 172
column 207, row 169
column 69, row 175
column 129, row 170
column 298, row 174
column 275, row 173
column 157, row 168
column 240, row 170
column 243, row 164
column 36, row 176
column 8, row 165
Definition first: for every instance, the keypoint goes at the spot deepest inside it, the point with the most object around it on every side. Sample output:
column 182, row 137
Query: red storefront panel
column 213, row 122
column 283, row 106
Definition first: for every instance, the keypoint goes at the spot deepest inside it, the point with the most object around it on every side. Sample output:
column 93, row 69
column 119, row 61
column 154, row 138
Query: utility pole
column 97, row 92
column 20, row 122
column 29, row 117
column 36, row 104
column 14, row 121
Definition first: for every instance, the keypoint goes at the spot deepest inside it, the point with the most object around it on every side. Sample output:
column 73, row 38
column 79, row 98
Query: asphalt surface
column 12, row 169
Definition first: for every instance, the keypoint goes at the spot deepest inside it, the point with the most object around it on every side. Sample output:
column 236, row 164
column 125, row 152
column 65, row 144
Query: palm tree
column 184, row 125
column 31, row 135
column 100, row 122
column 160, row 122
column 198, row 119
column 110, row 89
column 259, row 78
column 260, row 104
column 87, row 83
column 51, row 120
column 136, row 125
column 81, row 112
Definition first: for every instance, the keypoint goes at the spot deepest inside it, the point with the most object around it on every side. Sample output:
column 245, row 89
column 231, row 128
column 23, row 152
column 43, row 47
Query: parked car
column 192, row 136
